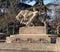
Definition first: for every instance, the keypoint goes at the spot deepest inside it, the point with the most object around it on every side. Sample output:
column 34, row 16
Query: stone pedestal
column 32, row 30
column 25, row 37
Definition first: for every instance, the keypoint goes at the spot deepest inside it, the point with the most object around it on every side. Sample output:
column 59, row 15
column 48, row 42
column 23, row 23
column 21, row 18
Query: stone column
column 57, row 30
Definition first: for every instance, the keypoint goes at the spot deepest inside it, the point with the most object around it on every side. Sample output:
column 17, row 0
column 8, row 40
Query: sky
column 30, row 3
column 48, row 1
column 33, row 2
column 27, row 2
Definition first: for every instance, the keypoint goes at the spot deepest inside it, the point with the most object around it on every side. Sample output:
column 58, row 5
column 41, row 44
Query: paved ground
column 27, row 47
column 12, row 50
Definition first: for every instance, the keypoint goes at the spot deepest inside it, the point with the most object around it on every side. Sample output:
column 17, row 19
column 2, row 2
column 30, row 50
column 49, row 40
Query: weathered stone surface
column 32, row 30
column 58, row 44
column 40, row 46
column 26, row 17
column 24, row 38
column 28, row 46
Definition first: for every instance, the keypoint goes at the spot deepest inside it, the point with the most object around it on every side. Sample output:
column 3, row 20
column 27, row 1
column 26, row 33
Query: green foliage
column 10, row 4
column 13, row 6
column 39, row 6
